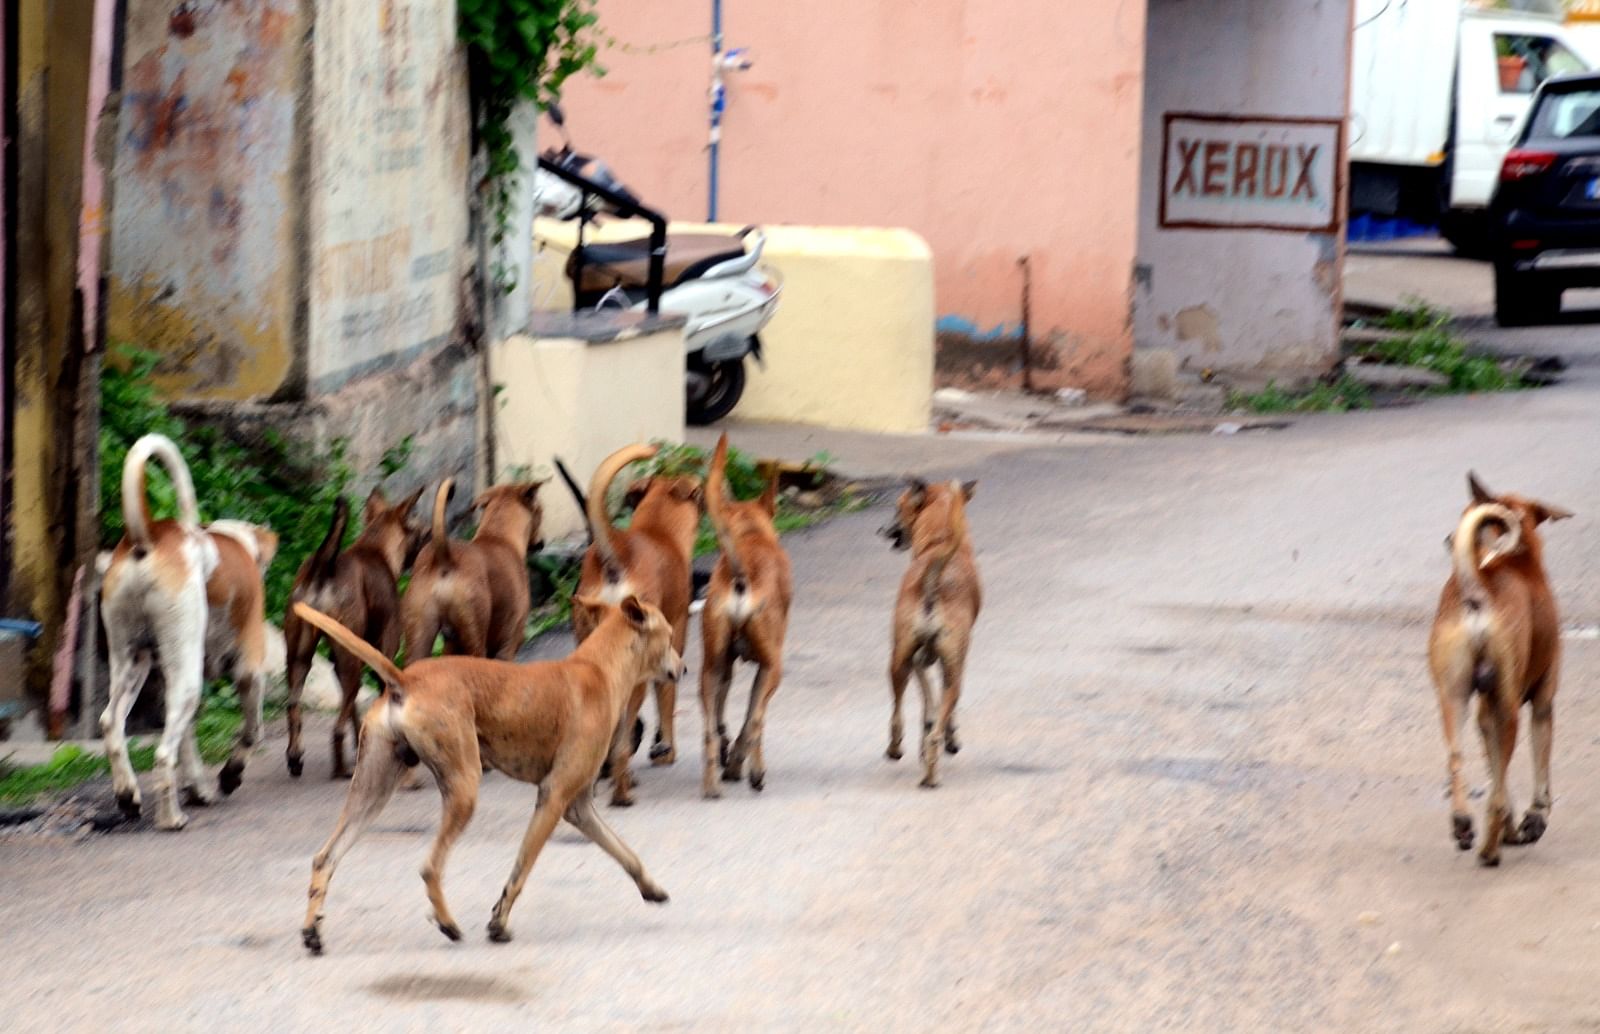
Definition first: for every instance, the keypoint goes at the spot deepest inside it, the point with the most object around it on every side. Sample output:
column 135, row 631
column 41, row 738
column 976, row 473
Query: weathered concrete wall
column 203, row 253
column 994, row 129
column 1239, row 257
column 388, row 214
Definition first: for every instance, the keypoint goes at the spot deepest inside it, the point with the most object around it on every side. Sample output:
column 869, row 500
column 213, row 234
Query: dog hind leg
column 377, row 774
column 1455, row 694
column 716, row 672
column 128, row 674
column 899, row 674
column 1537, row 818
column 1499, row 730
column 755, row 722
column 347, row 667
column 249, row 690
column 583, row 815
column 665, row 750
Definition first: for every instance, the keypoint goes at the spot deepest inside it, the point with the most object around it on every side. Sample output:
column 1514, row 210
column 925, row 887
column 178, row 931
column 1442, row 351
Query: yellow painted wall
column 581, row 402
column 852, row 343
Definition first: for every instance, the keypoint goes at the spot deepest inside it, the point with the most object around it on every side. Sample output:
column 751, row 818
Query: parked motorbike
column 715, row 281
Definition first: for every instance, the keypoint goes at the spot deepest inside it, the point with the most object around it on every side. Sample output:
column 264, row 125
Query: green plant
column 518, row 51
column 1336, row 396
column 1427, row 340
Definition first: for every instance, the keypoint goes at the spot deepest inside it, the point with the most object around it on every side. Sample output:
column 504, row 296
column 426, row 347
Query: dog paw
column 758, row 779
column 1489, row 861
column 951, row 744
column 653, row 893
column 339, row 772
column 230, row 777
column 199, row 797
column 311, row 937
column 297, row 765
column 621, row 800
column 450, row 930
column 498, row 933
column 894, row 753
column 173, row 822
column 661, row 754
column 1533, row 826
column 929, row 782
column 1461, row 826
column 733, row 773
column 128, row 801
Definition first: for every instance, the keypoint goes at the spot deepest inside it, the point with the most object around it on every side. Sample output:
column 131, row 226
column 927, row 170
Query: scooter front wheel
column 713, row 391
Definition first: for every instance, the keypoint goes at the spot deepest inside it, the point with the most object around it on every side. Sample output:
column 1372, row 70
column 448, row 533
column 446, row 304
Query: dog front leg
column 545, row 816
column 300, row 643
column 665, row 750
column 583, row 815
column 128, row 675
column 249, row 688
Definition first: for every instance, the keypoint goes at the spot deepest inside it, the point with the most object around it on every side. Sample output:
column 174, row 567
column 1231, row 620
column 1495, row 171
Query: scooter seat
column 627, row 263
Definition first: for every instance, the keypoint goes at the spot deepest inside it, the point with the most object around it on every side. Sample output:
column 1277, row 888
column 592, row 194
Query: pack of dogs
column 188, row 600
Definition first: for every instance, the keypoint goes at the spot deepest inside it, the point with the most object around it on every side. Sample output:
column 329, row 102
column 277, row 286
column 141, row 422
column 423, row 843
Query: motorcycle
column 715, row 281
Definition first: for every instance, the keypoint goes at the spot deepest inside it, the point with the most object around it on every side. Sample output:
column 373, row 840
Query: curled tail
column 353, row 644
column 601, row 530
column 441, row 534
column 945, row 551
column 719, row 519
column 577, row 494
column 135, row 501
column 1469, row 567
column 325, row 559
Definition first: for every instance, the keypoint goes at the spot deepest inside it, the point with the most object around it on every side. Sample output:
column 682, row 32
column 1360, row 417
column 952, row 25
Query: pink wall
column 995, row 128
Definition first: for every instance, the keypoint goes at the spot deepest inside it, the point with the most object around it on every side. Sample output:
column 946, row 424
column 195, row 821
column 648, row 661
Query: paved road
column 1201, row 790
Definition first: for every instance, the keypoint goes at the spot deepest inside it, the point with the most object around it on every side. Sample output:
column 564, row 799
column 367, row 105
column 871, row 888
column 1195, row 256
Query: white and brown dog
column 189, row 599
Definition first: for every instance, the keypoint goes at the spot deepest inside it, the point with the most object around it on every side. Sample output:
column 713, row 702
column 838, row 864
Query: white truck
column 1437, row 89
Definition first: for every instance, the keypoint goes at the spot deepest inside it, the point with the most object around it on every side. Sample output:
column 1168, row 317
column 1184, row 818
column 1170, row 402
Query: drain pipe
column 719, row 102
column 1025, row 344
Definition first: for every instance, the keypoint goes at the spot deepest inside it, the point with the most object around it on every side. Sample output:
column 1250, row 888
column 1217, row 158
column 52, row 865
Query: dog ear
column 634, row 611
column 405, row 505
column 967, row 488
column 918, row 490
column 374, row 507
column 530, row 491
column 688, row 490
column 484, row 498
column 1545, row 512
column 1475, row 487
column 769, row 490
column 589, row 607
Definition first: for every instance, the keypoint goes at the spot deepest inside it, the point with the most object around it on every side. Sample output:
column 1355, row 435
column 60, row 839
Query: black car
column 1545, row 214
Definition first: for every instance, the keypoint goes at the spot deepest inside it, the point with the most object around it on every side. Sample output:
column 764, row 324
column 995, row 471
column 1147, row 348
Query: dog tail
column 715, row 480
column 324, row 560
column 601, row 530
column 945, row 550
column 577, row 494
column 348, row 641
column 441, row 534
column 1469, row 567
column 136, row 501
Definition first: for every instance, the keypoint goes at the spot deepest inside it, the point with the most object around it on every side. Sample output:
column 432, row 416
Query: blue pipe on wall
column 718, row 98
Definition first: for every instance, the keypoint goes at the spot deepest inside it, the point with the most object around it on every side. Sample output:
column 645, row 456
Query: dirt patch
column 454, row 988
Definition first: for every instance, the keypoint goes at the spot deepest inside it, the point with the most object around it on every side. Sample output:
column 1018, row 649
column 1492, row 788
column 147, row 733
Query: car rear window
column 1569, row 113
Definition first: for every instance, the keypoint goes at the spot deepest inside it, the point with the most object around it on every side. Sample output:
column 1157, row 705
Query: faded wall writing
column 388, row 185
column 1262, row 173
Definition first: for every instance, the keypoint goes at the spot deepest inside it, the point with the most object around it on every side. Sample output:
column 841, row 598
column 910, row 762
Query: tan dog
column 745, row 618
column 933, row 617
column 650, row 560
column 1496, row 634
column 190, row 599
column 475, row 592
column 359, row 589
column 549, row 723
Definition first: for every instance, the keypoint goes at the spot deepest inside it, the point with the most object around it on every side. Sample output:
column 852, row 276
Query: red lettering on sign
column 1308, row 157
column 1188, row 150
column 1216, row 164
column 1246, row 158
column 1275, row 171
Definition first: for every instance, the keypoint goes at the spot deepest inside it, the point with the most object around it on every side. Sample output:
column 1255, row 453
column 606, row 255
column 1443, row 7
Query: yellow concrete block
column 852, row 343
column 582, row 401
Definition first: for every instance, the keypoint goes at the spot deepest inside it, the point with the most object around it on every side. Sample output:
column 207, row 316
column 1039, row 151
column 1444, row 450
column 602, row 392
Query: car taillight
column 1520, row 164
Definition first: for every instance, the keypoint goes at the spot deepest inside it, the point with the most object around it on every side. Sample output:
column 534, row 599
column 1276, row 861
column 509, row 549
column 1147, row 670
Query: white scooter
column 713, row 280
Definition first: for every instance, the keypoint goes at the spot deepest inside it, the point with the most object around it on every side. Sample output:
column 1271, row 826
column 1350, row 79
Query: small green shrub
column 1429, row 342
column 1336, row 396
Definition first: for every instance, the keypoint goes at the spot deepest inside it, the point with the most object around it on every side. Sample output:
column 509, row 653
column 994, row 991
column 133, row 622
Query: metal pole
column 718, row 99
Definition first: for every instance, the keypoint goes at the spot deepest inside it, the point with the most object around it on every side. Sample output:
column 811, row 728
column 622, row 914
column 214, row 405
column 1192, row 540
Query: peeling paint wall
column 202, row 252
column 1246, row 302
column 388, row 219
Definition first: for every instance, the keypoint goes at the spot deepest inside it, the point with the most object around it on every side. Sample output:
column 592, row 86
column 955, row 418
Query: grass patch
column 1337, row 396
column 1428, row 341
column 71, row 765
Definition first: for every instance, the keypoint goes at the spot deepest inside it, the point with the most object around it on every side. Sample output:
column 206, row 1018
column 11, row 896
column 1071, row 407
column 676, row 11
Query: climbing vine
column 518, row 51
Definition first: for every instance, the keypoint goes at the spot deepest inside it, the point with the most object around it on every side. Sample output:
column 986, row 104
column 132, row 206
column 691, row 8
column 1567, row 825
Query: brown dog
column 549, row 723
column 359, row 589
column 745, row 618
column 475, row 592
column 650, row 560
column 933, row 617
column 1496, row 634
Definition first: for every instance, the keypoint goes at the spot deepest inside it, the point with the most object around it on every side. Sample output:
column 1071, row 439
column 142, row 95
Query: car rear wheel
column 1522, row 299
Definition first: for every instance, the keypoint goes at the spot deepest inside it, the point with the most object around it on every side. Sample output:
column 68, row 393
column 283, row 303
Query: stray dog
column 1496, row 634
column 475, row 592
column 358, row 589
column 549, row 723
column 745, row 618
column 650, row 560
column 933, row 617
column 190, row 599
